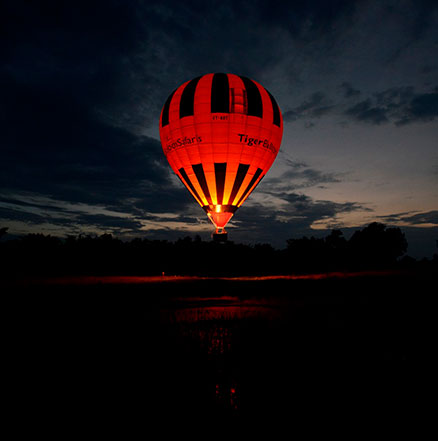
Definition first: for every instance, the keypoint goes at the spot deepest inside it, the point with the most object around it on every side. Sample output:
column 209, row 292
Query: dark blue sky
column 82, row 84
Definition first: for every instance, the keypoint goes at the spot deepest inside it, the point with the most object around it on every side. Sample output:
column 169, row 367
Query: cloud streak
column 397, row 105
column 41, row 213
column 300, row 175
column 413, row 219
column 316, row 106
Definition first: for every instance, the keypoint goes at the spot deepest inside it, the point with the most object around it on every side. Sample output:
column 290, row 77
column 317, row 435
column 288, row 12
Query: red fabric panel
column 232, row 138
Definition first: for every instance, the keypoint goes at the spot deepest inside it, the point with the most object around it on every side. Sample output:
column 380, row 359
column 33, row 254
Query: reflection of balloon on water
column 221, row 134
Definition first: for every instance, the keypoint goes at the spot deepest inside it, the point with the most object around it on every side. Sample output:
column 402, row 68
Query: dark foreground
column 127, row 354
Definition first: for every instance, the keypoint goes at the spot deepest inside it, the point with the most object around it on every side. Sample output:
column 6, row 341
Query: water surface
column 214, row 349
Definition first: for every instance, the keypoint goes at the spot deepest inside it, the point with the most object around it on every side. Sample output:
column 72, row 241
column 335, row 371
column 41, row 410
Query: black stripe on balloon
column 255, row 104
column 275, row 109
column 165, row 116
column 253, row 180
column 240, row 176
column 220, row 170
column 200, row 175
column 220, row 99
column 187, row 103
column 188, row 183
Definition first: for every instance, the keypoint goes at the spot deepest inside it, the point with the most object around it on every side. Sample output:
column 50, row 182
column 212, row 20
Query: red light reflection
column 133, row 280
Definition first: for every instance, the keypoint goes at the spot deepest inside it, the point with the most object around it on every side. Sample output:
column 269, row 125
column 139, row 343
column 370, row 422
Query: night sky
column 82, row 84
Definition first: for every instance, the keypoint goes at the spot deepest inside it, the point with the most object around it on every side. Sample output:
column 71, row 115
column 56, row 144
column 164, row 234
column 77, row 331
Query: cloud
column 348, row 90
column 317, row 209
column 366, row 112
column 307, row 21
column 61, row 165
column 300, row 175
column 35, row 212
column 397, row 105
column 429, row 217
column 316, row 106
column 286, row 215
column 84, row 51
column 412, row 218
column 429, row 68
column 423, row 107
column 52, row 144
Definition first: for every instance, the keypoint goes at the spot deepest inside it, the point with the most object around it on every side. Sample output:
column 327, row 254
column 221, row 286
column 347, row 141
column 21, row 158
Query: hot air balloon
column 221, row 133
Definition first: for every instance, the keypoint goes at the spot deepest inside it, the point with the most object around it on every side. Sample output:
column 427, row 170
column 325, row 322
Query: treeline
column 375, row 247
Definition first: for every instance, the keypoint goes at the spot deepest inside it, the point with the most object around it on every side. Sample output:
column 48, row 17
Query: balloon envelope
column 221, row 134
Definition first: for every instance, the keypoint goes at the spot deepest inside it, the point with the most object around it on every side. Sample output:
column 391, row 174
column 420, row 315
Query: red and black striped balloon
column 221, row 134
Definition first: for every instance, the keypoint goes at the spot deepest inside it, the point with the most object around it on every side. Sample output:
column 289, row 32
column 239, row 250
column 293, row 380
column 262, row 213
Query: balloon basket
column 219, row 235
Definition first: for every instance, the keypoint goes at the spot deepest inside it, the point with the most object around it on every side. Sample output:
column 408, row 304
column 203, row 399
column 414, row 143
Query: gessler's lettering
column 181, row 142
column 256, row 141
column 243, row 138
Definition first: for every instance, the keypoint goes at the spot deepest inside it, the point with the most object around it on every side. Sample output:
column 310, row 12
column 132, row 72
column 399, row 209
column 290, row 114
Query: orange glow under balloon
column 221, row 133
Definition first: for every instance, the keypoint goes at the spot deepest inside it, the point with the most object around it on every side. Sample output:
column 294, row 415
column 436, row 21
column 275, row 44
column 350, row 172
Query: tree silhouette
column 377, row 245
column 372, row 247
